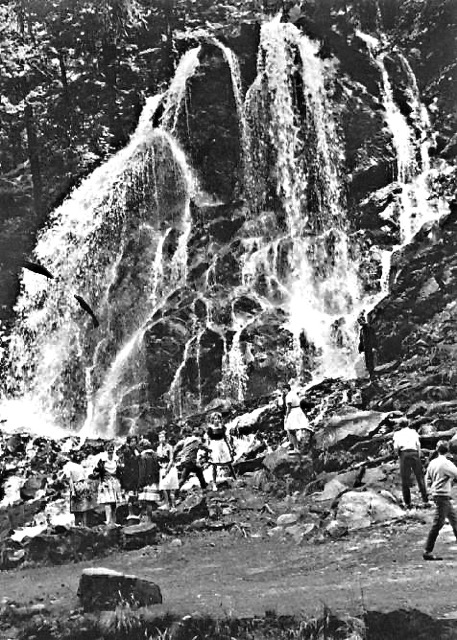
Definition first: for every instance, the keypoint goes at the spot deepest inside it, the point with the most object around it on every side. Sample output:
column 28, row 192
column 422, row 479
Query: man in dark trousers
column 367, row 343
column 407, row 445
column 439, row 476
column 186, row 451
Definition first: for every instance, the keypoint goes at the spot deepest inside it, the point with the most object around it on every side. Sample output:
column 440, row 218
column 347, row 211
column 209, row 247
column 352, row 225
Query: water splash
column 105, row 242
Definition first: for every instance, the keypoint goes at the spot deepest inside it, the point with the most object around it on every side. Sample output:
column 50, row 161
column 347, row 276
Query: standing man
column 407, row 447
column 439, row 476
column 367, row 343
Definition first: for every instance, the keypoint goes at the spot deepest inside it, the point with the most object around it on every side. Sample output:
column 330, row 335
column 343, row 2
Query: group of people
column 437, row 481
column 141, row 477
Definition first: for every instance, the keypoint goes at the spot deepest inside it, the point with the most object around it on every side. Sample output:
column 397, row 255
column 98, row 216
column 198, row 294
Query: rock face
column 223, row 328
column 104, row 589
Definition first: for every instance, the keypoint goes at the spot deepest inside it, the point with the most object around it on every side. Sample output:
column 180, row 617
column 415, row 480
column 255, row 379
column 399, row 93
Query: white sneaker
column 214, row 486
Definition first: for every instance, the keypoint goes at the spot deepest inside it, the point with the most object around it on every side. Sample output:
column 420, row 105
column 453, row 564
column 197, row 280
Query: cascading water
column 411, row 172
column 105, row 242
column 292, row 97
column 411, row 141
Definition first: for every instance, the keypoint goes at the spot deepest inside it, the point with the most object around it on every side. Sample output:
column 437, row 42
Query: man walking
column 439, row 476
column 407, row 446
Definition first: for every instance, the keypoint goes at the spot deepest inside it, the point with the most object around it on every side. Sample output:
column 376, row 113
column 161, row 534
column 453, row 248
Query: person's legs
column 451, row 516
column 201, row 478
column 232, row 470
column 214, row 472
column 185, row 474
column 109, row 513
column 405, row 474
column 292, row 435
column 417, row 468
column 439, row 518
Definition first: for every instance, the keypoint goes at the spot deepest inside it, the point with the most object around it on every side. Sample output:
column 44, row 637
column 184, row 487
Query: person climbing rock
column 186, row 451
column 407, row 446
column 367, row 344
column 438, row 478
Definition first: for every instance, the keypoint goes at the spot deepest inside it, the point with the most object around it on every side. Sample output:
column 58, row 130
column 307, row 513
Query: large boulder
column 348, row 428
column 104, row 589
column 358, row 510
column 281, row 463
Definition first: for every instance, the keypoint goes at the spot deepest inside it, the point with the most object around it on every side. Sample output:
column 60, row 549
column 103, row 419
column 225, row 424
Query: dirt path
column 380, row 568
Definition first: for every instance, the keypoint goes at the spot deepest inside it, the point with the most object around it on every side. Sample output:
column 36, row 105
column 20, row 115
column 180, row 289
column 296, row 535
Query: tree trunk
column 34, row 158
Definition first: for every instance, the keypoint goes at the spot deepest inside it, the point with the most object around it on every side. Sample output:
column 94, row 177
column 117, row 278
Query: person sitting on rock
column 439, row 476
column 220, row 450
column 185, row 452
column 407, row 446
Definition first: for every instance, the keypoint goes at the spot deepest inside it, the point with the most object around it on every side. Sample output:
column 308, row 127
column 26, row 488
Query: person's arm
column 451, row 469
column 395, row 444
column 428, row 479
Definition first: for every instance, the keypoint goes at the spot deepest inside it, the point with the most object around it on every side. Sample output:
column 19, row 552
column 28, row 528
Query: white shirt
column 292, row 399
column 74, row 471
column 406, row 438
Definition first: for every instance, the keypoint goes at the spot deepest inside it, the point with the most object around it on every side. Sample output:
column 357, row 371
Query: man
column 439, row 476
column 186, row 451
column 367, row 343
column 407, row 446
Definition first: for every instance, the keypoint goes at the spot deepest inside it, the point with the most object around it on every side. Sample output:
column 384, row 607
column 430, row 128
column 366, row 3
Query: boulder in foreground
column 104, row 589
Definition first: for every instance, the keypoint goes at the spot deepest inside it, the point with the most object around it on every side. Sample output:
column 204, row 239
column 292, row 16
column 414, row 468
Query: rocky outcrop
column 105, row 589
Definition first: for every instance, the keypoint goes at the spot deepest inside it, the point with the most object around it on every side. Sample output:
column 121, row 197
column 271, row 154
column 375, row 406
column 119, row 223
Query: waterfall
column 411, row 141
column 106, row 243
column 296, row 130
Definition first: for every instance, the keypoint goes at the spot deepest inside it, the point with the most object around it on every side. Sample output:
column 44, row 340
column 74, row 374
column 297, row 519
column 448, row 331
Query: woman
column 109, row 489
column 220, row 450
column 82, row 492
column 294, row 420
column 168, row 483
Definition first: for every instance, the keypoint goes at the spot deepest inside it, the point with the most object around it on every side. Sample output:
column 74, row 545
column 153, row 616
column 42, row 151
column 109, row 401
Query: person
column 129, row 473
column 407, row 446
column 149, row 471
column 220, row 450
column 367, row 344
column 109, row 489
column 168, row 483
column 82, row 494
column 439, row 475
column 294, row 419
column 186, row 451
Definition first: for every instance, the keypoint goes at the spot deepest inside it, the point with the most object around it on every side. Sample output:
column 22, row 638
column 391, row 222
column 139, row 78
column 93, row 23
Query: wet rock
column 104, row 589
column 301, row 532
column 281, row 463
column 140, row 535
column 358, row 510
column 32, row 485
column 287, row 519
column 348, row 428
column 336, row 529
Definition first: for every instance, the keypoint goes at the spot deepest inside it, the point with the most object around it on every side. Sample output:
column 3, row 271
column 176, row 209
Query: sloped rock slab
column 348, row 429
column 104, row 589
